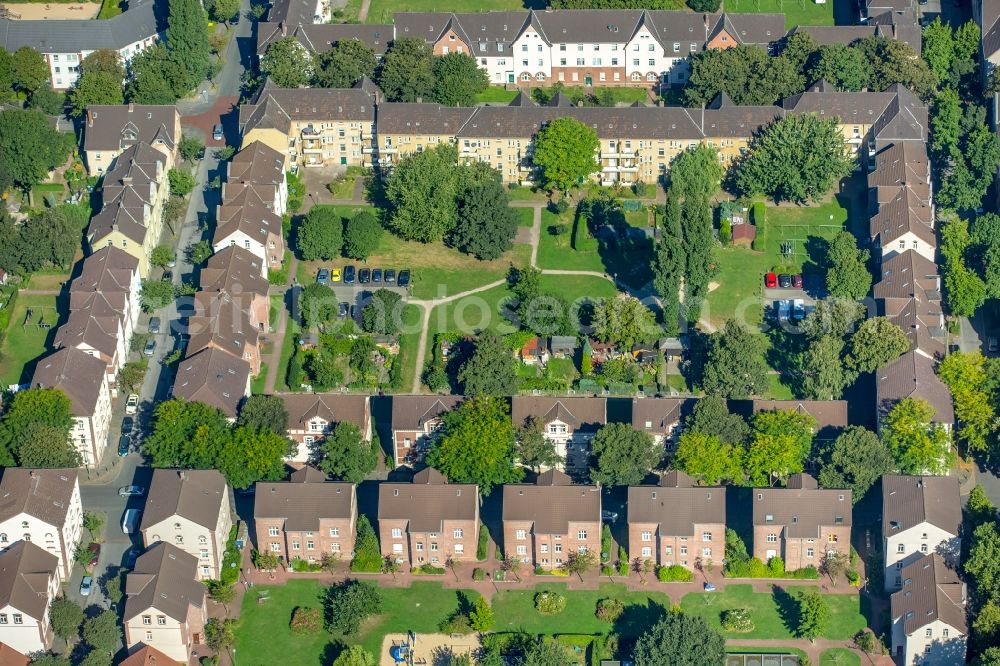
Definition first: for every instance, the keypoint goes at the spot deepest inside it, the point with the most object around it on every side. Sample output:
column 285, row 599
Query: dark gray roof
column 42, row 493
column 658, row 413
column 525, row 121
column 413, row 118
column 109, row 269
column 221, row 321
column 801, row 508
column 578, row 413
column 411, row 412
column 118, row 126
column 164, row 578
column 932, row 590
column 990, row 27
column 912, row 375
column 427, row 502
column 304, row 505
column 275, row 107
column 908, row 274
column 292, row 12
column 144, row 19
column 552, row 503
column 676, row 509
column 25, row 571
column 76, row 373
column 320, row 37
column 214, row 377
column 196, row 494
column 908, row 501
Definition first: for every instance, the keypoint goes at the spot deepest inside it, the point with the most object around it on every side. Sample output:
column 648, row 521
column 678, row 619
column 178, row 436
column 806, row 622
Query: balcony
column 309, row 130
column 312, row 147
column 618, row 152
column 369, row 150
column 388, row 150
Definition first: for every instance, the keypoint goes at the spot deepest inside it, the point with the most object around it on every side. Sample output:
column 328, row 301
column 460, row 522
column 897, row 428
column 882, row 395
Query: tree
column 383, row 314
column 92, row 522
column 162, row 255
column 250, row 455
column 965, row 291
column 490, row 369
column 836, row 317
column 186, row 434
column 95, row 658
column 354, row 655
column 814, row 615
column 187, row 43
column 545, row 653
column 876, row 343
column 349, row 603
column 824, row 376
column 29, row 147
column 533, row 449
column 220, row 634
column 151, row 77
column 842, row 65
column 362, row 234
column 50, row 660
column 680, row 639
column 345, row 455
column 317, row 305
column 191, row 148
column 422, row 191
column 156, row 294
column 781, row 441
column 407, row 71
column 735, row 367
column 855, row 460
column 891, row 61
column 835, row 565
column 48, row 101
column 287, row 63
column 224, row 11
column 711, row 416
column 65, row 616
column 847, row 275
column 746, row 74
column 486, row 224
column 36, row 428
column 707, row 459
column 47, row 446
column 624, row 321
column 481, row 618
column 564, row 153
column 30, row 70
column 989, row 657
column 321, row 234
column 580, row 562
column 918, row 445
column 264, row 412
column 983, row 562
column 95, row 88
column 668, row 264
column 347, row 62
column 101, row 632
column 795, row 158
column 48, row 238
column 181, row 181
column 458, row 79
column 622, row 455
column 966, row 377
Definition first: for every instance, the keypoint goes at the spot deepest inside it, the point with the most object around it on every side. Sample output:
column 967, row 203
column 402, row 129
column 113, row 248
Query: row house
column 914, row 375
column 215, row 377
column 407, row 128
column 247, row 220
column 801, row 523
column 219, row 322
column 42, row 507
column 321, row 37
column 545, row 522
column 84, row 380
column 236, row 273
column 11, row 657
column 134, row 192
column 830, row 415
column 190, row 509
column 986, row 14
column 909, row 294
column 29, row 583
column 429, row 520
column 921, row 515
column 416, row 424
column 109, row 130
column 569, row 423
column 261, row 168
column 166, row 606
column 312, row 416
column 299, row 12
column 64, row 44
column 306, row 517
column 311, row 126
column 659, row 417
column 902, row 27
column 676, row 522
column 929, row 614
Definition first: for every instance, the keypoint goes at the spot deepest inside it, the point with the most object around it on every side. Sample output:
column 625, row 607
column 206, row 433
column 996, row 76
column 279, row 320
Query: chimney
column 182, row 474
column 284, row 29
column 90, row 119
column 131, row 107
column 420, row 100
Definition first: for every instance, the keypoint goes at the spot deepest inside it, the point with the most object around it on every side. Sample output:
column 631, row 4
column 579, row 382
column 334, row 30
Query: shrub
column 853, row 577
column 674, row 574
column 367, row 555
column 483, row 547
column 306, row 620
column 550, row 603
column 866, row 641
column 738, row 620
column 609, row 610
column 607, row 570
column 606, row 543
column 758, row 215
column 478, row 574
column 429, row 570
column 558, row 207
column 457, row 624
column 725, row 232
column 776, row 567
column 231, row 559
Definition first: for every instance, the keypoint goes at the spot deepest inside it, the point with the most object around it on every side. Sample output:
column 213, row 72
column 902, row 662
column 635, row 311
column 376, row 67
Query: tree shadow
column 637, row 618
column 817, row 250
column 788, row 608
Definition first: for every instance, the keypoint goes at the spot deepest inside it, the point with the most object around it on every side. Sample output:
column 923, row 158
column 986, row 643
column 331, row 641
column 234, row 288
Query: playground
column 426, row 649
column 32, row 320
column 42, row 11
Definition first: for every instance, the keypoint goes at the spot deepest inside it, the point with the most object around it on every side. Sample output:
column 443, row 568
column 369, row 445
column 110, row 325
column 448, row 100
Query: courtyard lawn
column 382, row 11
column 797, row 12
column 409, row 340
column 258, row 383
column 496, row 95
column 774, row 615
column 839, row 657
column 24, row 344
column 521, row 193
column 525, row 217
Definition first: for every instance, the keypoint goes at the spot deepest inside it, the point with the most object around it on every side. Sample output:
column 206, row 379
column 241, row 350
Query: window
column 202, row 540
column 522, row 550
column 901, row 548
column 272, row 531
column 161, row 620
column 832, row 538
column 397, row 533
column 419, row 546
column 458, row 533
column 434, row 546
column 771, row 538
column 178, row 538
column 581, row 535
column 647, row 536
column 669, row 550
column 310, row 545
column 684, row 550
column 652, row 62
column 204, row 553
column 335, row 547
column 3, row 538
column 706, row 536
column 397, row 548
column 275, row 547
column 944, row 632
column 459, row 549
column 205, row 571
column 147, row 619
column 520, row 534
column 923, row 548
column 647, row 551
column 149, row 636
column 335, row 531
column 810, row 552
column 3, row 618
column 295, row 545
column 929, row 632
column 24, row 524
column 677, row 47
column 544, row 548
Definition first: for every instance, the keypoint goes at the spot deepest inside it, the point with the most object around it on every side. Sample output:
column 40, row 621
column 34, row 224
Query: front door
column 588, row 81
column 343, row 160
column 510, row 77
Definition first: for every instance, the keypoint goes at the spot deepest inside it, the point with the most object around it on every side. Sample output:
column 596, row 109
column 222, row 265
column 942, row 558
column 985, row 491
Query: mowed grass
column 24, row 344
column 839, row 657
column 409, row 341
column 555, row 251
column 525, row 217
column 797, row 12
column 775, row 615
column 382, row 11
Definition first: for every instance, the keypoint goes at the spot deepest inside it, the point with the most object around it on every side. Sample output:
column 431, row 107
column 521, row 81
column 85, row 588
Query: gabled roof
column 25, row 572
column 320, row 37
column 257, row 164
column 115, row 127
column 656, row 415
column 932, row 591
column 676, row 508
column 912, row 375
column 143, row 20
column 828, row 413
column 330, row 407
column 43, row 493
column 275, row 107
column 164, row 578
column 247, row 213
column 421, row 119
column 77, row 374
column 906, row 213
column 11, row 657
column 148, row 655
column 908, row 501
column 129, row 220
column 921, row 320
column 109, row 269
column 221, row 322
column 748, row 29
column 100, row 333
column 199, row 495
column 307, row 474
column 552, row 503
column 802, row 508
column 234, row 270
column 907, row 275
column 427, row 502
column 214, row 377
column 412, row 412
column 578, row 413
column 304, row 505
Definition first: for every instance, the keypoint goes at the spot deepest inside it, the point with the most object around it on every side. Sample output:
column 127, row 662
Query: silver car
column 86, row 585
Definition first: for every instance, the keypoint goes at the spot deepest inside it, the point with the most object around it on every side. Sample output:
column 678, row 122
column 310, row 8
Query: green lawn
column 496, row 95
column 409, row 340
column 797, row 12
column 24, row 344
column 258, row 382
column 520, row 193
column 525, row 217
column 839, row 657
column 774, row 615
column 343, row 188
column 382, row 11
column 287, row 348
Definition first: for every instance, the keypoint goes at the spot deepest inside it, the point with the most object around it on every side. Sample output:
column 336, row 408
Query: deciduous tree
column 384, row 312
column 847, row 275
column 824, row 375
column 318, row 305
column 855, row 460
column 680, row 639
column 876, row 343
column 918, row 445
column 102, row 632
column 707, row 459
column 65, row 616
column 349, row 603
column 564, row 153
column 345, row 455
column 31, row 72
column 95, row 88
column 780, row 443
column 965, row 375
column 458, row 79
column 533, row 449
column 347, row 61
column 622, row 455
column 362, row 234
column 407, row 71
column 186, row 434
column 486, row 224
column 187, row 43
column 814, row 615
column 287, row 63
column 842, row 65
column 735, row 367
column 422, row 191
column 711, row 417
column 29, row 147
column 321, row 234
column 624, row 321
column 249, row 455
column 490, row 370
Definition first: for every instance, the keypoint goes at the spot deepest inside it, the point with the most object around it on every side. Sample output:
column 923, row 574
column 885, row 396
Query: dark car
column 131, row 555
column 349, row 275
column 168, row 276
column 94, row 551
column 784, row 281
column 127, row 424
column 376, row 275
column 390, row 275
column 797, row 280
column 364, row 276
column 404, row 278
column 344, row 309
column 217, row 133
column 154, row 325
column 124, row 444
column 323, row 276
column 354, row 312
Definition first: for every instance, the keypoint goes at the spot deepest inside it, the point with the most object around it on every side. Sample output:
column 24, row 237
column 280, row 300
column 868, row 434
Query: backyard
column 797, row 12
column 25, row 340
column 382, row 11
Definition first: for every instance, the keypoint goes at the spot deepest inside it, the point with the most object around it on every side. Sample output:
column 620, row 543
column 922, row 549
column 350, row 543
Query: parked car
column 364, row 276
column 344, row 309
column 349, row 275
column 770, row 280
column 132, row 404
column 124, row 444
column 154, row 325
column 323, row 276
column 404, row 278
column 797, row 281
column 94, row 550
column 709, row 587
column 149, row 348
column 390, row 275
column 130, row 519
column 217, row 133
column 128, row 423
column 168, row 276
column 798, row 309
column 335, row 275
column 376, row 275
column 131, row 491
column 784, row 309
column 86, row 585
column 784, row 281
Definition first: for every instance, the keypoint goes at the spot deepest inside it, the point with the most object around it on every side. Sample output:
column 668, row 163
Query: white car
column 131, row 491
column 132, row 404
column 86, row 585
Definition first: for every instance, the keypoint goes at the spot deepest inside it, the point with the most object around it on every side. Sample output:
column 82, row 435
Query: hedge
column 483, row 547
column 367, row 555
column 674, row 574
column 759, row 216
